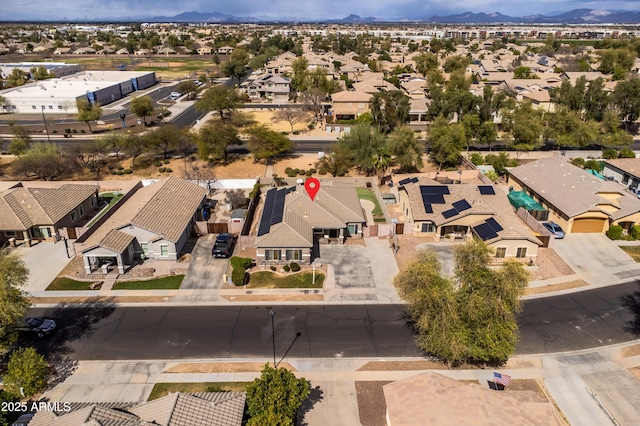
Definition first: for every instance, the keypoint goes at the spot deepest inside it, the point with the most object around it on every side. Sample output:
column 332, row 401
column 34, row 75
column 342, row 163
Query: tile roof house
column 155, row 222
column 576, row 199
column 274, row 87
column 348, row 105
column 466, row 211
column 433, row 399
column 42, row 210
column 291, row 224
column 177, row 409
column 625, row 171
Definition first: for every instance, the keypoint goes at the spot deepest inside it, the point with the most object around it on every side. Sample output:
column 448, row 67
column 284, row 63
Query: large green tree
column 626, row 99
column 26, row 373
column 214, row 138
column 44, row 161
column 407, row 150
column 220, row 98
column 236, row 68
column 359, row 146
column 389, row 109
column 265, row 143
column 165, row 139
column 142, row 106
column 273, row 399
column 88, row 112
column 445, row 141
column 470, row 317
column 13, row 300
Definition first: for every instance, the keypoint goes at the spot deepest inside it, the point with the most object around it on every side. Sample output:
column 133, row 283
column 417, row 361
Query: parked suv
column 38, row 325
column 223, row 246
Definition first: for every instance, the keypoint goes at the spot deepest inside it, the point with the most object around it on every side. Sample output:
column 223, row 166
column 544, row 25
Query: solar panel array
column 407, row 181
column 273, row 210
column 488, row 230
column 486, row 190
column 433, row 194
column 458, row 206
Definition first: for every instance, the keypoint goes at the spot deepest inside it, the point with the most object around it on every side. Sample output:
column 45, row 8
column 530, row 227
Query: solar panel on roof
column 278, row 207
column 494, row 224
column 486, row 190
column 428, row 208
column 413, row 179
column 434, row 189
column 461, row 205
column 404, row 181
column 267, row 212
column 433, row 198
column 449, row 213
column 290, row 190
column 485, row 232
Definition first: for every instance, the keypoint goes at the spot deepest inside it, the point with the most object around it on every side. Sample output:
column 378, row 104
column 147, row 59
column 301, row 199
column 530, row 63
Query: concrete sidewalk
column 571, row 380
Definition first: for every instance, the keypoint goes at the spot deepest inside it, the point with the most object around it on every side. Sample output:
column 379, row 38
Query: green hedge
column 238, row 276
column 615, row 232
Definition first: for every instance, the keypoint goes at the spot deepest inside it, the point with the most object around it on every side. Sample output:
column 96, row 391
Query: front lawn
column 633, row 251
column 267, row 279
column 63, row 283
column 162, row 389
column 166, row 283
column 367, row 194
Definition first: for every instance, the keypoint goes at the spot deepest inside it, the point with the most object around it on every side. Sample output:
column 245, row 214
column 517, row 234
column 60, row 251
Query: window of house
column 353, row 228
column 521, row 252
column 92, row 201
column 145, row 248
column 50, row 106
column 10, row 233
column 294, row 254
column 73, row 216
column 47, row 232
column 428, row 227
column 33, row 107
column 501, row 252
column 272, row 254
column 81, row 210
column 164, row 250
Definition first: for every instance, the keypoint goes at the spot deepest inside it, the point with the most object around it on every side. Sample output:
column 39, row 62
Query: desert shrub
column 273, row 268
column 127, row 171
column 288, row 170
column 578, row 162
column 286, row 268
column 476, row 158
column 158, row 163
column 626, row 153
column 238, row 276
column 120, row 173
column 166, row 161
column 162, row 169
column 292, row 173
column 308, row 173
column 168, row 170
column 635, row 232
column 312, row 170
column 610, row 153
column 294, row 267
column 614, row 232
column 238, row 262
column 119, row 167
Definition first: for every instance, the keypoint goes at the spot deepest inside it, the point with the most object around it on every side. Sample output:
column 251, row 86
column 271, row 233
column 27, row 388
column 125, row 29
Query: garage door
column 587, row 225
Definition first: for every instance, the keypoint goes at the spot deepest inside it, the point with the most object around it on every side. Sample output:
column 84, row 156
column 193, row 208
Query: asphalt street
column 554, row 324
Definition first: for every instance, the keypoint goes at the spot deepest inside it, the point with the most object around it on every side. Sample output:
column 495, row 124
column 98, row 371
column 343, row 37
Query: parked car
column 554, row 228
column 38, row 325
column 223, row 247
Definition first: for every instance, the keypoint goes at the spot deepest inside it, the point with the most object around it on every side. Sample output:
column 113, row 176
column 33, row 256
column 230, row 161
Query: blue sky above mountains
column 79, row 10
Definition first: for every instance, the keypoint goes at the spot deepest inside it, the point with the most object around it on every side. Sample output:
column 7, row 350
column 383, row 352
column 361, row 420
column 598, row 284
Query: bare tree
column 292, row 116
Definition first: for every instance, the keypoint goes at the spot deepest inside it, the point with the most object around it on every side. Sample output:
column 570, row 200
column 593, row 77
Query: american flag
column 503, row 379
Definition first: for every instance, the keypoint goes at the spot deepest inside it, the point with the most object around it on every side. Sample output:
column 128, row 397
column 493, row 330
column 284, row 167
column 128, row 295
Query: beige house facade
column 348, row 105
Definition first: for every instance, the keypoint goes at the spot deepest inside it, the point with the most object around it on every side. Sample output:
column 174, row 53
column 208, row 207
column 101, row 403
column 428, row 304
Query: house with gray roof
column 625, row 171
column 577, row 200
column 176, row 409
column 291, row 223
column 41, row 210
column 465, row 212
column 155, row 222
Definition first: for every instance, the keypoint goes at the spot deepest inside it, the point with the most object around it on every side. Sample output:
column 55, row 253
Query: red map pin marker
column 312, row 185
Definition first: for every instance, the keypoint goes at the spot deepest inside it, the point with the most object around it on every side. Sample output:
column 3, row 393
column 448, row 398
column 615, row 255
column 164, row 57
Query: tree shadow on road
column 314, row 397
column 73, row 322
column 631, row 301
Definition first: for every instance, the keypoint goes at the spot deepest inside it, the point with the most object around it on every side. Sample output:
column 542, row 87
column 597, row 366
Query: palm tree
column 381, row 160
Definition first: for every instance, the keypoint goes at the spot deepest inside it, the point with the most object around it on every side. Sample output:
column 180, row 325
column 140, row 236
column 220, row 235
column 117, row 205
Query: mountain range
column 576, row 16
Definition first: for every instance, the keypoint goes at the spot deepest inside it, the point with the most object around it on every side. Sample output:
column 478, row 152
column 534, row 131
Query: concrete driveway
column 205, row 272
column 445, row 253
column 44, row 260
column 596, row 257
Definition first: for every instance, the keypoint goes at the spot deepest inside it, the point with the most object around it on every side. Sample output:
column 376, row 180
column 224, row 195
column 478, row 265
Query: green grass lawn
column 162, row 389
column 166, row 283
column 62, row 283
column 633, row 251
column 367, row 194
column 267, row 279
column 113, row 198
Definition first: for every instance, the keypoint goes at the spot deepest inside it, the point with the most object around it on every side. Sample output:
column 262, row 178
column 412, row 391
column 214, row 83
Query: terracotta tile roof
column 178, row 409
column 293, row 231
column 164, row 208
column 349, row 96
column 483, row 206
column 117, row 241
column 572, row 190
column 22, row 208
column 433, row 399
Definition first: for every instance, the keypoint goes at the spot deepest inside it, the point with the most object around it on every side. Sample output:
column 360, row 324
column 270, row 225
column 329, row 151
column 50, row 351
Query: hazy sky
column 304, row 9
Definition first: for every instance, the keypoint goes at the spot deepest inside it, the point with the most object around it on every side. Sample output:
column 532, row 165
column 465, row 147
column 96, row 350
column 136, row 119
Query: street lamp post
column 45, row 123
column 273, row 336
column 123, row 115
